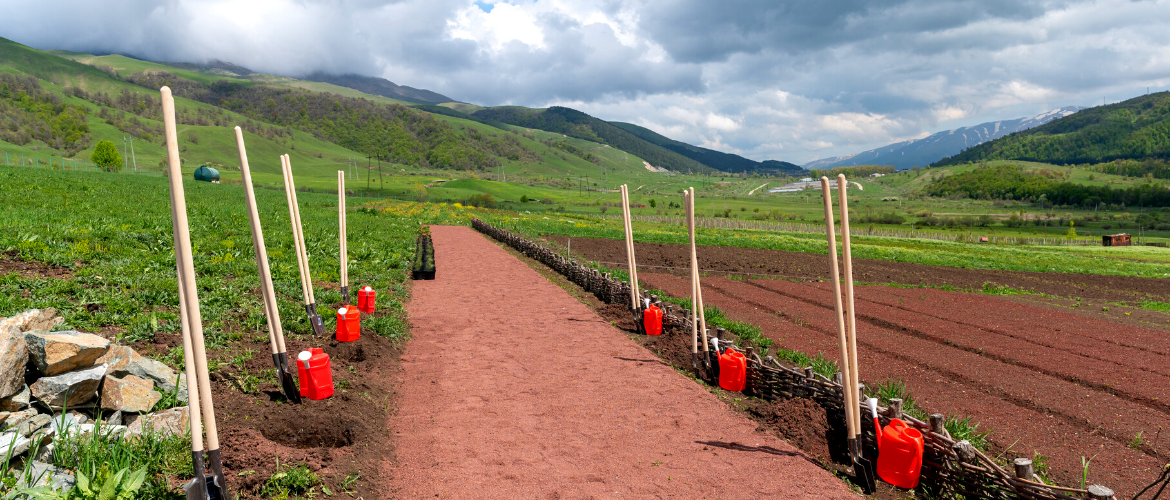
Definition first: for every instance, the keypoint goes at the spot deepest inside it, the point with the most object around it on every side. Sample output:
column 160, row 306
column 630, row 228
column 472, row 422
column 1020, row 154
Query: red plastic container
column 732, row 370
column 366, row 300
column 900, row 454
column 316, row 377
column 349, row 324
column 652, row 320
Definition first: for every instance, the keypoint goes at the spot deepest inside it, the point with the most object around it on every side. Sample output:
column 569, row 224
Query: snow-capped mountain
column 925, row 151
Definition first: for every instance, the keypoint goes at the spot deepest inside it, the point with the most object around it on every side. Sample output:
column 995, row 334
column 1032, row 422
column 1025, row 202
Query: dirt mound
column 801, row 421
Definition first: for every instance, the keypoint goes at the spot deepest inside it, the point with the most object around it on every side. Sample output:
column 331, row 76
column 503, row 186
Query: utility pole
column 368, row 172
column 132, row 154
column 125, row 155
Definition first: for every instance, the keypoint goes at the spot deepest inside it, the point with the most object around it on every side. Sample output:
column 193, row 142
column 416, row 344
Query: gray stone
column 18, row 417
column 78, row 417
column 113, row 418
column 42, row 474
column 123, row 361
column 13, row 358
column 33, row 319
column 69, row 389
column 129, row 394
column 182, row 385
column 16, row 402
column 173, row 421
column 33, row 424
column 63, row 422
column 84, row 429
column 59, row 352
column 13, row 445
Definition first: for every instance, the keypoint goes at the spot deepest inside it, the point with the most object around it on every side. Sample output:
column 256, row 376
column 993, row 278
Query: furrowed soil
column 513, row 388
column 1052, row 380
column 675, row 259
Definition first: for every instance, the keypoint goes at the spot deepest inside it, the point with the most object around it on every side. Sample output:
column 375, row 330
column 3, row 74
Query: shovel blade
column 864, row 474
column 197, row 488
column 292, row 392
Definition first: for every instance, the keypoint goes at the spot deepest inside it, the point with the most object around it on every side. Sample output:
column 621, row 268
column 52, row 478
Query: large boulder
column 69, row 389
column 60, row 352
column 33, row 319
column 13, row 358
column 128, row 394
column 124, row 361
column 174, row 421
column 16, row 402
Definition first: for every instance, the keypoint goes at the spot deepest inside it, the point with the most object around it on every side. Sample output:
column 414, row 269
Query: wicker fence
column 950, row 468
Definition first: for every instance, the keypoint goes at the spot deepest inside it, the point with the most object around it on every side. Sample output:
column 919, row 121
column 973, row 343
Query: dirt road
column 513, row 389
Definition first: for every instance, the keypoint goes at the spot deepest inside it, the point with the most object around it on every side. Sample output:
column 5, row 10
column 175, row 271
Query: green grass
column 291, row 482
column 102, row 453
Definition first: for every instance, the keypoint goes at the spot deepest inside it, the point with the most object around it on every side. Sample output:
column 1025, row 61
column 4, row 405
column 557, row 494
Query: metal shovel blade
column 292, row 393
column 196, row 489
column 345, row 295
column 863, row 470
column 315, row 319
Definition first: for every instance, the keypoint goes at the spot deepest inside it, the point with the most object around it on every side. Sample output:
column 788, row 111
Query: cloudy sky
column 794, row 80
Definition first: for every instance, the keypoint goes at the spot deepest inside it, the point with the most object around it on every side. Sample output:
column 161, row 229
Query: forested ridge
column 1136, row 129
column 719, row 160
column 392, row 132
column 28, row 113
column 576, row 124
column 1010, row 182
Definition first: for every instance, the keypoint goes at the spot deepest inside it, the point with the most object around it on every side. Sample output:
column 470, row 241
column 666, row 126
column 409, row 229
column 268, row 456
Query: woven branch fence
column 950, row 468
column 864, row 230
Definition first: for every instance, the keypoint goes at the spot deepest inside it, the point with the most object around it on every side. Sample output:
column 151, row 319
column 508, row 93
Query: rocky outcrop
column 173, row 421
column 69, row 389
column 16, row 402
column 13, row 358
column 122, row 361
column 58, row 352
column 33, row 319
column 128, row 394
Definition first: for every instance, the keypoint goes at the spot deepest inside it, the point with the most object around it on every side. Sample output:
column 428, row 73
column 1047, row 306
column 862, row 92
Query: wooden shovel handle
column 292, row 218
column 341, row 227
column 847, row 256
column 834, row 274
column 186, row 268
column 271, row 312
column 300, row 229
column 699, row 306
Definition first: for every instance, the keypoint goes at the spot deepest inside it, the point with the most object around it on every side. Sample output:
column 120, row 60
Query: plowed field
column 1043, row 381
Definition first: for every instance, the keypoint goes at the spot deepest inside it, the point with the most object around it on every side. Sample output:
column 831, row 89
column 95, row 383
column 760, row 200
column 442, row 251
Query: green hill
column 574, row 123
column 1136, row 129
column 725, row 162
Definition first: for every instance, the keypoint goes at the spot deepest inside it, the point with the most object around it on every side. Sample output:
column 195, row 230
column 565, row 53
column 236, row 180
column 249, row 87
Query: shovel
column 294, row 215
column 861, row 465
column 341, row 229
column 631, row 264
column 271, row 311
column 698, row 317
column 848, row 384
column 200, row 404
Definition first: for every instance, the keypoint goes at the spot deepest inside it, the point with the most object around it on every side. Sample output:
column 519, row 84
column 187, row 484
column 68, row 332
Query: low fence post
column 1098, row 492
column 938, row 425
column 895, row 408
column 1024, row 469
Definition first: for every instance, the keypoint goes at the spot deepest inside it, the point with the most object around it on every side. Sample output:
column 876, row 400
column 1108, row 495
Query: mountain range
column 930, row 149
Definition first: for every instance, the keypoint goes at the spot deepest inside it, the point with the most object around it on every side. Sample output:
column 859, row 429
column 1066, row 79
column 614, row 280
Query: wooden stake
column 842, row 190
column 189, row 294
column 834, row 274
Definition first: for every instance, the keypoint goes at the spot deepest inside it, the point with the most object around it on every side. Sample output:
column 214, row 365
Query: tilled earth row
column 1036, row 392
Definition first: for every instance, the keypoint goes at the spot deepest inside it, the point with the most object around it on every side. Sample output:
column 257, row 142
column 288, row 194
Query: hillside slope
column 380, row 86
column 715, row 159
column 1138, row 128
column 922, row 152
column 573, row 123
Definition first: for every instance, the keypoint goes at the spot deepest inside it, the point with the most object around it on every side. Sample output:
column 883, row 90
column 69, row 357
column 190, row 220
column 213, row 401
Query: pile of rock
column 61, row 381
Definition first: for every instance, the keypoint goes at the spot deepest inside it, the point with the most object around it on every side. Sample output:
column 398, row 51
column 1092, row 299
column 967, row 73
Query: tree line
column 1010, row 182
column 30, row 113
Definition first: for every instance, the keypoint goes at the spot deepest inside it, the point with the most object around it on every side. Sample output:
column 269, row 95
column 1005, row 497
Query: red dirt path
column 1042, row 380
column 513, row 389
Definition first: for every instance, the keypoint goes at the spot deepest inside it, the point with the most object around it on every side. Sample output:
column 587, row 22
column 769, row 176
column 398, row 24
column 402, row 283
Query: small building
column 207, row 174
column 1116, row 240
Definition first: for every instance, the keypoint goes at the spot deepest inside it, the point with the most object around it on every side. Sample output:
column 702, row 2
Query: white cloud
column 788, row 80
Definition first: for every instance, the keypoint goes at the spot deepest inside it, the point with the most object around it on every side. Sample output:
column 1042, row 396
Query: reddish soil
column 1043, row 381
column 511, row 388
column 11, row 263
column 675, row 259
column 337, row 437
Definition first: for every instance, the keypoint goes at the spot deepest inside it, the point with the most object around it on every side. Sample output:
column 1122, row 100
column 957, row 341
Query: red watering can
column 899, row 451
column 366, row 300
column 315, row 374
column 732, row 369
column 652, row 320
column 349, row 324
